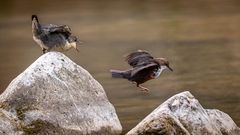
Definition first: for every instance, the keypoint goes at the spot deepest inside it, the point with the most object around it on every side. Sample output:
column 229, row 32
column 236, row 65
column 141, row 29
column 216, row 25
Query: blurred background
column 200, row 38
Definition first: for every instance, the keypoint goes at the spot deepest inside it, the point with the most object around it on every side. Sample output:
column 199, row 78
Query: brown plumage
column 144, row 67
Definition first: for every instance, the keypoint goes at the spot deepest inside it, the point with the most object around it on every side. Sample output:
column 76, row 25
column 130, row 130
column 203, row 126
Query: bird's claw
column 145, row 90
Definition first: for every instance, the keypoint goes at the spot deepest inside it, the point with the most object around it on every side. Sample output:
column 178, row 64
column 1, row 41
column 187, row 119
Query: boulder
column 56, row 96
column 182, row 114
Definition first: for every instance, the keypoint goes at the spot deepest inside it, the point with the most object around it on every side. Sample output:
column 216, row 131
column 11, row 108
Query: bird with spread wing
column 144, row 67
column 53, row 37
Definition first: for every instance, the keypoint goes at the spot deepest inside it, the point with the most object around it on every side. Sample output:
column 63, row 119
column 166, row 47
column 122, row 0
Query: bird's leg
column 44, row 50
column 143, row 88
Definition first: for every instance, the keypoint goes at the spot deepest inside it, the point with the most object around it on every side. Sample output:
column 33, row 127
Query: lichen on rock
column 56, row 96
column 182, row 114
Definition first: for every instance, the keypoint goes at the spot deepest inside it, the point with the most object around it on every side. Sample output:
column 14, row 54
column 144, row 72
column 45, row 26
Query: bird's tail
column 35, row 25
column 119, row 74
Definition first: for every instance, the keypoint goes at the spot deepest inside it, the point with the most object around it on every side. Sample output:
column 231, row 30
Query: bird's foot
column 144, row 89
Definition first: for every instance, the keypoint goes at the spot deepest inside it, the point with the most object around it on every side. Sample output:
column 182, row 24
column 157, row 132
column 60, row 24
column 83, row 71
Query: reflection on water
column 200, row 39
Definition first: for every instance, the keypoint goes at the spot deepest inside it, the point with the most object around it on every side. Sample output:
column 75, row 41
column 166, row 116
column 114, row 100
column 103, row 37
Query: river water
column 200, row 39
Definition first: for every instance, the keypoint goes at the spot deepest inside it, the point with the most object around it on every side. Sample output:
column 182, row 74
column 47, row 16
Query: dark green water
column 201, row 40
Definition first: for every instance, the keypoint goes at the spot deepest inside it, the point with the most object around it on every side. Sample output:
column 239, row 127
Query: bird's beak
column 170, row 68
column 77, row 49
column 80, row 42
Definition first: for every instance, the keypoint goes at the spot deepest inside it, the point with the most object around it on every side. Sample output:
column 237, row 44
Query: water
column 201, row 41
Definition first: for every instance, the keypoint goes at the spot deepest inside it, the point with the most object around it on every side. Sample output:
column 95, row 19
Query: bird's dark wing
column 147, row 69
column 57, row 29
column 139, row 58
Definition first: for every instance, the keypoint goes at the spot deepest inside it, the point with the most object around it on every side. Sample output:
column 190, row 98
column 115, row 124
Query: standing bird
column 144, row 67
column 53, row 37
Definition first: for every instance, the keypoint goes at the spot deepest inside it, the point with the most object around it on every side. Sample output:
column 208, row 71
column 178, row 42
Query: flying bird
column 144, row 67
column 53, row 37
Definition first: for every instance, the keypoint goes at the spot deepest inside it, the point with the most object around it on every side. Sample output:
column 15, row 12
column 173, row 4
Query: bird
column 53, row 37
column 144, row 67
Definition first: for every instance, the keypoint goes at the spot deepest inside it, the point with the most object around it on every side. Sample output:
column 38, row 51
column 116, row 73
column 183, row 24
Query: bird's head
column 164, row 62
column 75, row 42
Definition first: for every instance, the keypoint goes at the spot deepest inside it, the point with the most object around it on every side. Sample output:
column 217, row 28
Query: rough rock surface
column 56, row 96
column 182, row 114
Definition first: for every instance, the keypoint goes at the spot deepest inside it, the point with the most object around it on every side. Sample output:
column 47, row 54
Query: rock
column 182, row 114
column 56, row 96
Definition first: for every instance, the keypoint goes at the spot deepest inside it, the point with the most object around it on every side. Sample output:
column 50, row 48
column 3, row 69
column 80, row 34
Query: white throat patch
column 159, row 71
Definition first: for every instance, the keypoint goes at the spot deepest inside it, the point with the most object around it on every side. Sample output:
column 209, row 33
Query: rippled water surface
column 201, row 40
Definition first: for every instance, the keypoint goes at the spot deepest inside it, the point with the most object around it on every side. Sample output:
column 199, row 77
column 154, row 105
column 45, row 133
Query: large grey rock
column 182, row 114
column 56, row 96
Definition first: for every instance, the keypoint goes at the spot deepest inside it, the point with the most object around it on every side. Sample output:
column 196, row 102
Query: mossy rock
column 38, row 127
column 20, row 110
